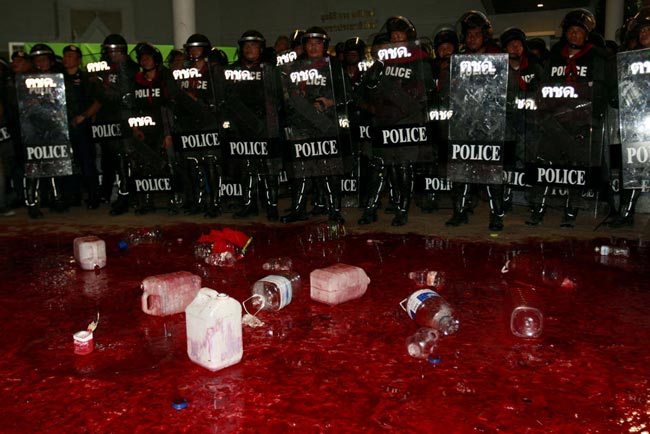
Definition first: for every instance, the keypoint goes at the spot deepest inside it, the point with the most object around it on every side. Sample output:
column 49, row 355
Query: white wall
column 223, row 21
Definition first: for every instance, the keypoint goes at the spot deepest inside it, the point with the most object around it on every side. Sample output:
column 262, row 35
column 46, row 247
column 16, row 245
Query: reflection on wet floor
column 313, row 367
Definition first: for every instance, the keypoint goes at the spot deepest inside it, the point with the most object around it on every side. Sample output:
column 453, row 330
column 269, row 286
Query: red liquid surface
column 316, row 368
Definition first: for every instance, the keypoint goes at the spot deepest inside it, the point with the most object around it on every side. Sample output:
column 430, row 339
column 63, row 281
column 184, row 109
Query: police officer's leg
column 333, row 190
column 213, row 168
column 32, row 198
column 460, row 192
column 176, row 178
column 121, row 205
column 537, row 200
column 271, row 185
column 570, row 210
column 625, row 218
column 109, row 164
column 249, row 189
column 376, row 181
column 58, row 203
column 495, row 195
column 195, row 198
column 299, row 202
column 404, row 185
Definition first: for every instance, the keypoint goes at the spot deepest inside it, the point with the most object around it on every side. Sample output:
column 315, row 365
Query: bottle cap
column 434, row 360
column 179, row 403
column 122, row 245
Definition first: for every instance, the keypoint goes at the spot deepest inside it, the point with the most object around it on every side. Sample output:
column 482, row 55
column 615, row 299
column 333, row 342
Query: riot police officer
column 576, row 61
column 397, row 87
column 639, row 32
column 251, row 111
column 154, row 158
column 524, row 75
column 78, row 99
column 112, row 107
column 197, row 130
column 43, row 59
column 476, row 37
column 315, row 92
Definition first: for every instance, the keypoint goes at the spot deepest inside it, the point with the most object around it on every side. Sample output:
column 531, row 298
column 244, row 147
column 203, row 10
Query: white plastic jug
column 89, row 252
column 167, row 294
column 214, row 330
column 338, row 283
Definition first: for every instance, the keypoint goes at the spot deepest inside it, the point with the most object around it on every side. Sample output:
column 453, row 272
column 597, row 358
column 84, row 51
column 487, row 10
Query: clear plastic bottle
column 606, row 250
column 526, row 317
column 275, row 291
column 328, row 231
column 144, row 236
column 282, row 263
column 429, row 309
column 426, row 278
column 423, row 343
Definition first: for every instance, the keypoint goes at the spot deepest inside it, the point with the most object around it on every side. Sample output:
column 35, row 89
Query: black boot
column 196, row 192
column 495, row 194
column 271, row 191
column 92, row 187
column 375, row 186
column 538, row 195
column 145, row 205
column 121, row 205
column 249, row 207
column 214, row 184
column 536, row 216
column 32, row 199
column 460, row 192
column 299, row 195
column 569, row 219
column 58, row 202
column 403, row 183
column 332, row 187
column 625, row 217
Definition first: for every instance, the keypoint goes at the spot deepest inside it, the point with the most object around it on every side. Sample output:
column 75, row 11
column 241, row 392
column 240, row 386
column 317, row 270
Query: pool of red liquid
column 316, row 368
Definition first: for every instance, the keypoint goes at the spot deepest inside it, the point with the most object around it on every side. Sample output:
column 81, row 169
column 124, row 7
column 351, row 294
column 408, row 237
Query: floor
column 317, row 368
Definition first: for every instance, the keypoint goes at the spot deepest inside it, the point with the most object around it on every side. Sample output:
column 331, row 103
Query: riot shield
column 196, row 128
column 317, row 125
column 44, row 125
column 477, row 129
column 561, row 149
column 634, row 113
column 251, row 113
column 397, row 90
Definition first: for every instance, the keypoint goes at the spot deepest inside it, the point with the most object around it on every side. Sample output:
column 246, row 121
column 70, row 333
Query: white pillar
column 184, row 21
column 613, row 18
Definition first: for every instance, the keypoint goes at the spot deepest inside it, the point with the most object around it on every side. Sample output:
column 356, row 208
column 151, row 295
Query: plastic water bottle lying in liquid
column 275, row 291
column 423, row 343
column 605, row 250
column 278, row 264
column 429, row 309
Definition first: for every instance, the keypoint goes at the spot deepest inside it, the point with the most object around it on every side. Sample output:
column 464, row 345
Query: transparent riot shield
column 634, row 113
column 44, row 125
column 477, row 129
column 197, row 130
column 317, row 125
column 561, row 149
column 251, row 112
column 397, row 90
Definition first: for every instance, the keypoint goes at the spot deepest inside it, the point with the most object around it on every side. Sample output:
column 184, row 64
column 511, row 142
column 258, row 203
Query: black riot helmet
column 252, row 36
column 581, row 18
column 198, row 40
column 472, row 20
column 144, row 48
column 114, row 42
column 316, row 32
column 399, row 23
column 218, row 57
column 512, row 34
column 296, row 38
column 445, row 35
column 355, row 44
column 41, row 50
